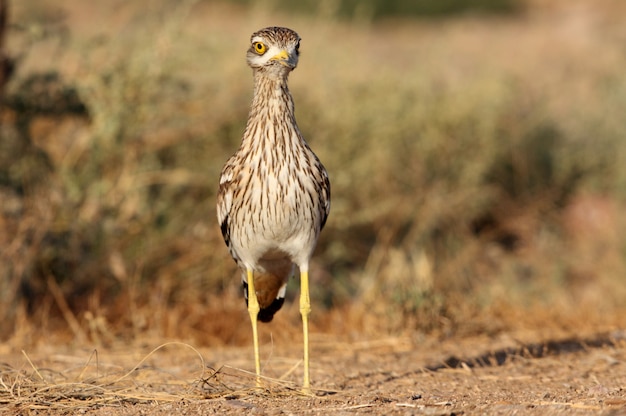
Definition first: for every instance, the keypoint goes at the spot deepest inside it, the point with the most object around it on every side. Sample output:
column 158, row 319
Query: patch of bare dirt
column 569, row 375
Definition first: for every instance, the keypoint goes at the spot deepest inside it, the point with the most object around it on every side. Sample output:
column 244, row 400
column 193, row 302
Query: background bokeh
column 476, row 151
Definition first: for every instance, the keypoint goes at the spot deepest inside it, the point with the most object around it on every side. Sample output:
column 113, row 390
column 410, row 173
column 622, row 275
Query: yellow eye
column 259, row 48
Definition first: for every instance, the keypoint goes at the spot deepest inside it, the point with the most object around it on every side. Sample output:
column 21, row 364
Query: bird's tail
column 270, row 292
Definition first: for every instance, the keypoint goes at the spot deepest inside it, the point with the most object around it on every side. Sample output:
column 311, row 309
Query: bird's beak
column 283, row 58
column 280, row 56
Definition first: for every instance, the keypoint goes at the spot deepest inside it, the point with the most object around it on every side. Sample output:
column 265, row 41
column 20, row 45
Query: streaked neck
column 271, row 94
column 271, row 117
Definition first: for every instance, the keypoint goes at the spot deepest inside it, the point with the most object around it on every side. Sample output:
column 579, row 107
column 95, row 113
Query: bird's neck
column 271, row 119
column 271, row 97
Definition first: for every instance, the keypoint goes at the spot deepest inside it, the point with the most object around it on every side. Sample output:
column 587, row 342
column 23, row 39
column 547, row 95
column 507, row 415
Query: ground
column 505, row 374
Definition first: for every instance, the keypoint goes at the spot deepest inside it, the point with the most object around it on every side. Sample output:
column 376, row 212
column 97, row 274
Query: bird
column 274, row 193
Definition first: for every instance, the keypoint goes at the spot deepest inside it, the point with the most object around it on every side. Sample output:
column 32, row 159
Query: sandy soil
column 387, row 376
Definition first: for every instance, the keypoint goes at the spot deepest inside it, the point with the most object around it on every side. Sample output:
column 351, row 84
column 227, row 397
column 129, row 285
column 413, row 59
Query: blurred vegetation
column 376, row 9
column 455, row 177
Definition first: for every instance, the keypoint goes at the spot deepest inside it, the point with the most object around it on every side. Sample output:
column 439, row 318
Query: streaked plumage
column 274, row 194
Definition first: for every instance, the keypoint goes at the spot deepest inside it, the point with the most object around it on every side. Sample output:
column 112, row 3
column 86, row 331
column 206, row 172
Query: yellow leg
column 253, row 310
column 305, row 309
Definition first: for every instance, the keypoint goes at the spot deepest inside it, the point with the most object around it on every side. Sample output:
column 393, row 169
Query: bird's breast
column 276, row 209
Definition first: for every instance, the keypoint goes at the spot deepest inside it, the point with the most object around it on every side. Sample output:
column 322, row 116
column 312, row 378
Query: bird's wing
column 225, row 200
column 324, row 197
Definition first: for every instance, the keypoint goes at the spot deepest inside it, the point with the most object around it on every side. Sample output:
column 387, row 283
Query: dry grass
column 93, row 382
column 385, row 376
column 477, row 167
column 93, row 385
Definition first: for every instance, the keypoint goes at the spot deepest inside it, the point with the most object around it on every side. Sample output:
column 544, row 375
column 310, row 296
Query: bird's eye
column 259, row 48
column 298, row 46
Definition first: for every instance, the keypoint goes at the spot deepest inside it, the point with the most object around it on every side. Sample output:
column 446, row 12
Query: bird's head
column 275, row 49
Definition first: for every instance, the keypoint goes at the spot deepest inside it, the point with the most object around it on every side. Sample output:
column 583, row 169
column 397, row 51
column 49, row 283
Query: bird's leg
column 253, row 310
column 305, row 309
